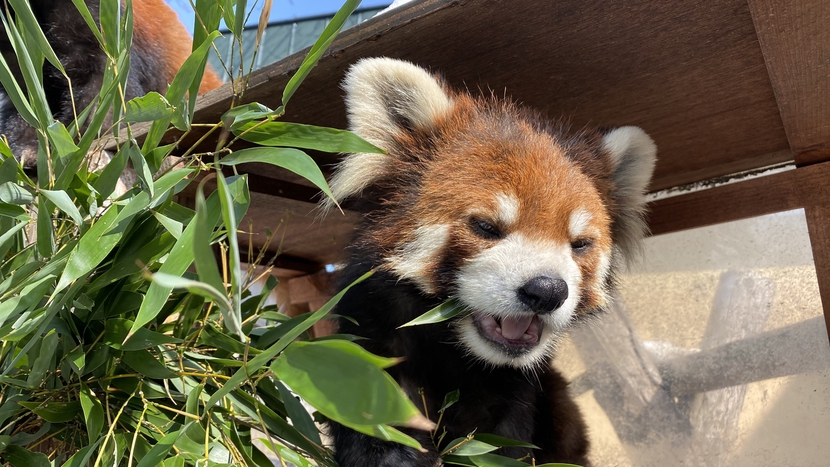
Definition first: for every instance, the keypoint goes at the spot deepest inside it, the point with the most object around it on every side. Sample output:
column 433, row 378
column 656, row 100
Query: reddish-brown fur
column 471, row 148
column 158, row 26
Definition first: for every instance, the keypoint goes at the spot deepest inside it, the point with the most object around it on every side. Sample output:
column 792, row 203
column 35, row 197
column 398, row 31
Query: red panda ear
column 384, row 98
column 632, row 155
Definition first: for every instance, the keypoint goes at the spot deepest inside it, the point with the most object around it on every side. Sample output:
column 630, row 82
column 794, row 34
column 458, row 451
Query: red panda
column 160, row 45
column 523, row 223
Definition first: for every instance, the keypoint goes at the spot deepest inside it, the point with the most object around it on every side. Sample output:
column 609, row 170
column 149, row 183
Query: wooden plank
column 693, row 77
column 314, row 289
column 782, row 191
column 818, row 224
column 795, row 39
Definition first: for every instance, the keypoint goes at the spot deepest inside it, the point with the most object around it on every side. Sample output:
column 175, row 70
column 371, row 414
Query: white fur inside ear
column 382, row 93
column 632, row 154
column 383, row 98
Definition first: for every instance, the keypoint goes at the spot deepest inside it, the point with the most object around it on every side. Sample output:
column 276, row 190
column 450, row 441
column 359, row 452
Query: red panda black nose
column 543, row 294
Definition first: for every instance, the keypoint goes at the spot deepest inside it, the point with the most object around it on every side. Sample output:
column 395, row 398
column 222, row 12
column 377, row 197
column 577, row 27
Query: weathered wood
column 313, row 288
column 818, row 225
column 740, row 309
column 693, row 77
column 783, row 191
column 297, row 229
column 795, row 40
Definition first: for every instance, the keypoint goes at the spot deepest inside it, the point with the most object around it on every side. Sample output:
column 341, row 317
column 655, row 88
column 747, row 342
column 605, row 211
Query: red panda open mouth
column 515, row 334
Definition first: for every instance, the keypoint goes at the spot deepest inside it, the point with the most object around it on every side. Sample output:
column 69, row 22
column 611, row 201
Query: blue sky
column 281, row 10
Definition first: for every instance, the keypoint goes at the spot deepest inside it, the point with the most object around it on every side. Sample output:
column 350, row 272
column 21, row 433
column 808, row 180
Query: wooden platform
column 723, row 86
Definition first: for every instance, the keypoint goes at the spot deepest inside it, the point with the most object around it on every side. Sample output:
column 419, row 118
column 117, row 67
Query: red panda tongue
column 515, row 327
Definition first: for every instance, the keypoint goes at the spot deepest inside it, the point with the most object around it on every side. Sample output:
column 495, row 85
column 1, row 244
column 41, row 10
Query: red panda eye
column 485, row 229
column 582, row 245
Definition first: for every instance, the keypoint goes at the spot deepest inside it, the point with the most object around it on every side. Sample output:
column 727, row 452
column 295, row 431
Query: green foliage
column 123, row 343
column 114, row 352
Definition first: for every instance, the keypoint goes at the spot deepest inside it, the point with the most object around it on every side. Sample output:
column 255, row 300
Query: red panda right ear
column 632, row 155
column 384, row 97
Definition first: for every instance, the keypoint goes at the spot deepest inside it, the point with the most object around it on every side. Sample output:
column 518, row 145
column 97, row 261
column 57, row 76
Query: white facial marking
column 508, row 208
column 416, row 256
column 488, row 283
column 579, row 222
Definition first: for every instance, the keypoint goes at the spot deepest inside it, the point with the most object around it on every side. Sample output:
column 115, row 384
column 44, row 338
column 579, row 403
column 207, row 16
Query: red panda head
column 484, row 202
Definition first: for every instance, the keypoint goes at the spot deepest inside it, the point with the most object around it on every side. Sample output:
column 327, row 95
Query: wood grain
column 792, row 189
column 692, row 76
column 795, row 39
column 818, row 224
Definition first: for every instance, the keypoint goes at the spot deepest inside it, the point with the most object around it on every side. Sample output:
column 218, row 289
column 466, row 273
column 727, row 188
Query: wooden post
column 314, row 290
column 818, row 224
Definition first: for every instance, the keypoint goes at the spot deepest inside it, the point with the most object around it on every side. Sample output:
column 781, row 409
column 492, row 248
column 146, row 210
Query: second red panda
column 160, row 46
column 524, row 224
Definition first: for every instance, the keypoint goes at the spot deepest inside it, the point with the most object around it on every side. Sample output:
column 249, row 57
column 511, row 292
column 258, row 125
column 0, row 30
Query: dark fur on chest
column 532, row 407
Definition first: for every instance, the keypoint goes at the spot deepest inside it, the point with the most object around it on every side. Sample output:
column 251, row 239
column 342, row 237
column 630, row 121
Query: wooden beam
column 783, row 191
column 795, row 41
column 312, row 289
column 818, row 224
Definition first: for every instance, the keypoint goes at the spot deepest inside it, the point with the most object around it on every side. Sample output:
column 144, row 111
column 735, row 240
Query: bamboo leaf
column 297, row 135
column 54, row 411
column 262, row 359
column 292, row 159
column 45, row 360
column 150, row 107
column 108, row 180
column 199, row 288
column 63, row 142
column 93, row 247
column 31, row 77
column 468, row 447
column 146, row 364
column 45, row 231
column 346, row 384
column 501, row 441
column 22, row 457
column 298, row 414
column 14, row 212
column 64, row 203
column 162, row 447
column 205, row 260
column 118, row 328
column 233, row 315
column 90, row 22
column 16, row 94
column 179, row 259
column 451, row 398
column 93, row 412
column 442, row 312
column 176, row 92
column 12, row 193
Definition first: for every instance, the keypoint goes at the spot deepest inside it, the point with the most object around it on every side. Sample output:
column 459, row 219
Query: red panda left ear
column 632, row 155
column 385, row 99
